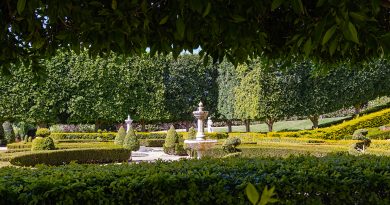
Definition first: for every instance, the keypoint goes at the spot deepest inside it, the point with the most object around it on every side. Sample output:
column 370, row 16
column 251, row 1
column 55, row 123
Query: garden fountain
column 200, row 144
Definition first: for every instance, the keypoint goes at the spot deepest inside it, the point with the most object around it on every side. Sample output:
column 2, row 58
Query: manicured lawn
column 282, row 125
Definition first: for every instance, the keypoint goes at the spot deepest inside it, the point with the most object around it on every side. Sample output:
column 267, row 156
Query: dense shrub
column 359, row 134
column 384, row 135
column 341, row 131
column 230, row 144
column 151, row 135
column 216, row 135
column 191, row 133
column 170, row 141
column 60, row 128
column 42, row 132
column 120, row 136
column 9, row 134
column 59, row 157
column 247, row 137
column 40, row 143
column 131, row 141
column 152, row 142
column 334, row 179
column 63, row 136
column 18, row 146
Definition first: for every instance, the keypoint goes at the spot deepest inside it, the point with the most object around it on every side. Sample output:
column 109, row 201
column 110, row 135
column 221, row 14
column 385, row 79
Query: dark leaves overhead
column 324, row 29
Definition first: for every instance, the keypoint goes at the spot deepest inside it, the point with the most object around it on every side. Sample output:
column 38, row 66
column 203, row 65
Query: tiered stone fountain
column 200, row 144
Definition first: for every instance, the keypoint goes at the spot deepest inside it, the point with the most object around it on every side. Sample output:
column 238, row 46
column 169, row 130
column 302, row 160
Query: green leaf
column 180, row 26
column 266, row 196
column 238, row 18
column 333, row 46
column 353, row 32
column 320, row 3
column 252, row 193
column 307, row 47
column 207, row 10
column 358, row 16
column 114, row 4
column 297, row 6
column 329, row 33
column 275, row 4
column 21, row 5
column 164, row 20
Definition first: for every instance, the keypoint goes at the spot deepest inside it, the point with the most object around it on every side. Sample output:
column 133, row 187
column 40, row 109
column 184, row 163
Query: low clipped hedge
column 74, row 135
column 59, row 157
column 341, row 131
column 151, row 135
column 152, row 142
column 248, row 137
column 19, row 145
column 333, row 179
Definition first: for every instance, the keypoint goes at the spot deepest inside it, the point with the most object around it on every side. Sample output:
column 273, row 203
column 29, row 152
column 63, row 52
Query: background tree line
column 74, row 88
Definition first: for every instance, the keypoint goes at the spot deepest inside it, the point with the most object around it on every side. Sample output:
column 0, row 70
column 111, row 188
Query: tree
column 227, row 81
column 324, row 29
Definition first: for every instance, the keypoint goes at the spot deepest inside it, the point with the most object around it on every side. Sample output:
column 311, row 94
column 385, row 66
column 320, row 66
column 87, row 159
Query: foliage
column 333, row 179
column 254, row 196
column 343, row 130
column 230, row 144
column 40, row 143
column 61, row 128
column 60, row 136
column 60, row 157
column 2, row 135
column 171, row 140
column 9, row 134
column 191, row 133
column 120, row 136
column 42, row 132
column 152, row 142
column 359, row 134
column 131, row 141
column 271, row 28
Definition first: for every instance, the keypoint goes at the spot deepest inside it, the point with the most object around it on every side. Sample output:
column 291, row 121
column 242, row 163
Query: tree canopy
column 323, row 29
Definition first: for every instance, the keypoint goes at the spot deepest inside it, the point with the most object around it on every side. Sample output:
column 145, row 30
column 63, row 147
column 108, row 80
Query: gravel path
column 152, row 154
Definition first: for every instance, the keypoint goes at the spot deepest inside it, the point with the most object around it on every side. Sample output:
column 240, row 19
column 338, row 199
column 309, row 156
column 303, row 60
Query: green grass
column 282, row 125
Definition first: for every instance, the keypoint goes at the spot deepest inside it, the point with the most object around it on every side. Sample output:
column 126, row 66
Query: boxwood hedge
column 59, row 157
column 334, row 179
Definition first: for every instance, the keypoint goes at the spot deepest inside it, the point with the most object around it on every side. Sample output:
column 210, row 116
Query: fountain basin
column 200, row 146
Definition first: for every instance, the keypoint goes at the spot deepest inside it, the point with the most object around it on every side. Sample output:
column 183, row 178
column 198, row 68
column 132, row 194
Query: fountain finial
column 200, row 104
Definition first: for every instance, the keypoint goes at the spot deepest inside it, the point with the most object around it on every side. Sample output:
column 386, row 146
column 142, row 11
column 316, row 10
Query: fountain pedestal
column 200, row 144
column 128, row 122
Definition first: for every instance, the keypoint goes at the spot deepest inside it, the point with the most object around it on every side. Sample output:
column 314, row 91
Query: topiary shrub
column 40, row 143
column 9, row 134
column 230, row 145
column 191, row 133
column 131, row 141
column 42, row 132
column 120, row 136
column 170, row 141
column 364, row 143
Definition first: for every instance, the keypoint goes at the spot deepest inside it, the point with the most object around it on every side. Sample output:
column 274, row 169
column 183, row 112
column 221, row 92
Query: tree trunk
column 98, row 125
column 270, row 124
column 143, row 129
column 247, row 125
column 358, row 108
column 314, row 120
column 229, row 124
column 187, row 123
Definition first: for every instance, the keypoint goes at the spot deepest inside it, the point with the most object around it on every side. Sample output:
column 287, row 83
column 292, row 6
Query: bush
column 359, row 134
column 67, row 136
column 19, row 146
column 171, row 140
column 341, row 131
column 59, row 157
column 333, row 179
column 230, row 145
column 151, row 135
column 120, row 137
column 216, row 135
column 42, row 132
column 40, row 143
column 9, row 134
column 131, row 141
column 152, row 142
column 60, row 128
column 248, row 137
column 191, row 133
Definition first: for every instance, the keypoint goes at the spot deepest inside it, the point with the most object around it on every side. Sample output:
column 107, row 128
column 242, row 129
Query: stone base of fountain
column 200, row 146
